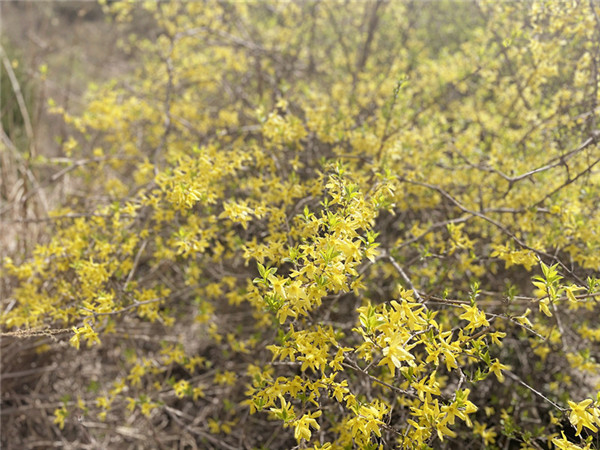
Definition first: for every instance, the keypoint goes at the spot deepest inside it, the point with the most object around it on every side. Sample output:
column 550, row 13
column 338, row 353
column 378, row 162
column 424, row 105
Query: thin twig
column 405, row 277
column 136, row 261
column 538, row 393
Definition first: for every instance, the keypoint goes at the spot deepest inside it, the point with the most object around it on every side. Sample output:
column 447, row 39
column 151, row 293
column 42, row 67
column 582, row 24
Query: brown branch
column 373, row 22
column 516, row 378
column 495, row 223
column 567, row 183
column 404, row 277
column 356, row 368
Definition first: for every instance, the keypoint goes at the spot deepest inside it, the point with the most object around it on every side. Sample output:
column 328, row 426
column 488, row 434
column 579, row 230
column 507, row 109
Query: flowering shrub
column 327, row 227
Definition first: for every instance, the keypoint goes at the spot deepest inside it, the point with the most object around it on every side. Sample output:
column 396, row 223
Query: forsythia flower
column 302, row 426
column 580, row 416
column 181, row 388
column 565, row 444
column 475, row 317
column 489, row 436
column 60, row 414
column 497, row 369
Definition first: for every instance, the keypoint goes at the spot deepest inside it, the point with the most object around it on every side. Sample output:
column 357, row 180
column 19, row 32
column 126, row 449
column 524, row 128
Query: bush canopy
column 326, row 225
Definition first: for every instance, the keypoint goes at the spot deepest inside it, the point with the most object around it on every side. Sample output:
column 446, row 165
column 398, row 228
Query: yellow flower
column 489, row 436
column 396, row 353
column 60, row 414
column 497, row 369
column 475, row 317
column 181, row 388
column 565, row 444
column 302, row 430
column 580, row 417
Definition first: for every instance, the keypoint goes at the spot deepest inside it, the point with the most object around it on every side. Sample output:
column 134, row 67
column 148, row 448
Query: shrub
column 372, row 226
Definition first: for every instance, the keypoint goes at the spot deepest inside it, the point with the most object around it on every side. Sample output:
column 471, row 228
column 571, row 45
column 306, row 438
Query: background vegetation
column 306, row 225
